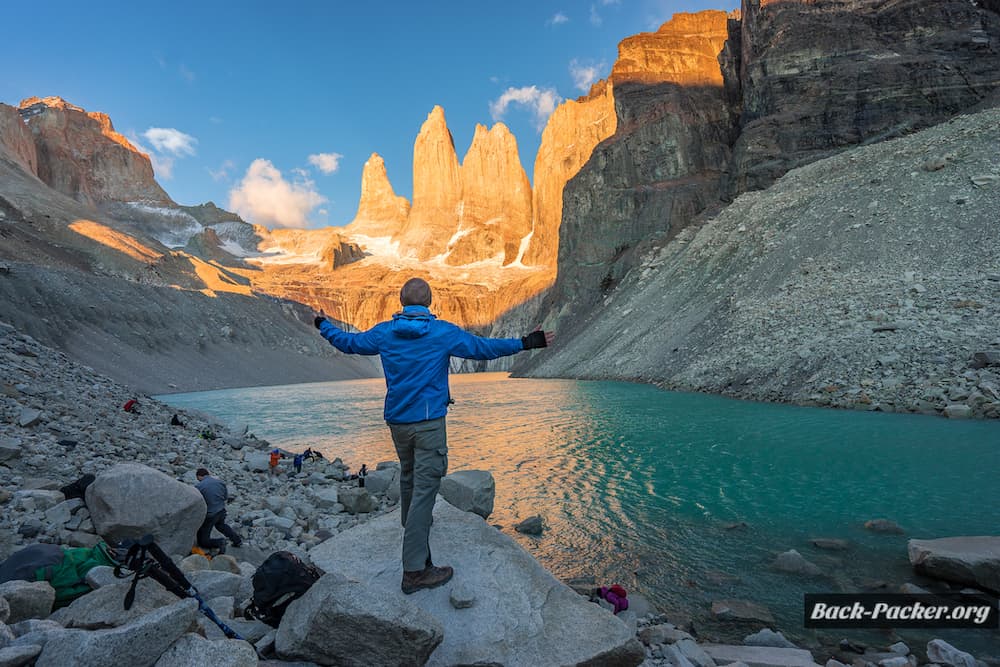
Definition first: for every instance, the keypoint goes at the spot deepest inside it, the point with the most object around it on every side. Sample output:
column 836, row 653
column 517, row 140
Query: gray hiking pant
column 423, row 458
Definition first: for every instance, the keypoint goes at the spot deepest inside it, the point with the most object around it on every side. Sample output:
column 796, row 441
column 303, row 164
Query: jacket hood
column 412, row 322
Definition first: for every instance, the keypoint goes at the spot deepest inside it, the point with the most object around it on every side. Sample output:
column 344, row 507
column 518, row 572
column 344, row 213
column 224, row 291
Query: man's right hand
column 537, row 338
column 319, row 318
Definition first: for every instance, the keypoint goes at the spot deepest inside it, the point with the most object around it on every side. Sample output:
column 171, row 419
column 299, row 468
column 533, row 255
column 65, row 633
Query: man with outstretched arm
column 416, row 348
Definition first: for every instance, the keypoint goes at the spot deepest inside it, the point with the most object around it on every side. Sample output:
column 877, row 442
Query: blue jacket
column 416, row 348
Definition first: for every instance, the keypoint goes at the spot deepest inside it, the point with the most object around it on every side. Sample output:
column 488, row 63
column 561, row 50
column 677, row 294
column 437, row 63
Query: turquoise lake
column 642, row 487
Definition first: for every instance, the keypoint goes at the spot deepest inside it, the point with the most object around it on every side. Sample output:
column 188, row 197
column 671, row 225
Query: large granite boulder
column 323, row 626
column 192, row 649
column 27, row 599
column 470, row 490
column 521, row 614
column 138, row 644
column 760, row 656
column 131, row 500
column 966, row 560
column 105, row 608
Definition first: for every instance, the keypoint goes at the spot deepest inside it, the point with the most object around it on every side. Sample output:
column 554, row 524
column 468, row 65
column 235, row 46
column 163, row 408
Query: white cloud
column 222, row 173
column 541, row 102
column 186, row 73
column 265, row 197
column 558, row 19
column 169, row 140
column 595, row 18
column 326, row 162
column 163, row 166
column 610, row 2
column 583, row 75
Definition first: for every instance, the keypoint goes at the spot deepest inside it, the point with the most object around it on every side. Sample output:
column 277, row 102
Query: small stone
column 29, row 418
column 533, row 525
column 462, row 596
column 883, row 526
column 957, row 411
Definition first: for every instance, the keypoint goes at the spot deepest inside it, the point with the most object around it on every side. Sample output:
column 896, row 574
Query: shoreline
column 49, row 400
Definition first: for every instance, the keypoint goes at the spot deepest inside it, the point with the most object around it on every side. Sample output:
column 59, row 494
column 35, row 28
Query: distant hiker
column 132, row 406
column 276, row 456
column 176, row 421
column 297, row 462
column 416, row 348
column 362, row 474
column 312, row 454
column 215, row 493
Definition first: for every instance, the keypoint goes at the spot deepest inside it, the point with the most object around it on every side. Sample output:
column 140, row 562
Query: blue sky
column 274, row 107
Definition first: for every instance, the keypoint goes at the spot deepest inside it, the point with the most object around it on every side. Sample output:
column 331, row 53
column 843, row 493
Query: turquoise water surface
column 642, row 487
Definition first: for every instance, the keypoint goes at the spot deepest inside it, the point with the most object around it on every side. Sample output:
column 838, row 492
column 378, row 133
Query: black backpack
column 279, row 580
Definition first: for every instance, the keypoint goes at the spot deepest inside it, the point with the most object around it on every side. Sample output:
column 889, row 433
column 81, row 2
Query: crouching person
column 215, row 493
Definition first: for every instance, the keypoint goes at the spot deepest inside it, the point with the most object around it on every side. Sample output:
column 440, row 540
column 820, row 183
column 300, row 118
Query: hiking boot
column 429, row 577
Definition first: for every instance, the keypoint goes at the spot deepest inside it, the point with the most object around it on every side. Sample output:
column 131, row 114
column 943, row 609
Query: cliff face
column 16, row 141
column 661, row 166
column 569, row 138
column 709, row 108
column 81, row 155
column 818, row 76
column 380, row 211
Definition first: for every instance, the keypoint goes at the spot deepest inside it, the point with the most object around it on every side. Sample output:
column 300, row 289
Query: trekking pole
column 168, row 575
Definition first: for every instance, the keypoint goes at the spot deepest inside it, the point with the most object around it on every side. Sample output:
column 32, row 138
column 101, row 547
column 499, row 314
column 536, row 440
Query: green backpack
column 69, row 577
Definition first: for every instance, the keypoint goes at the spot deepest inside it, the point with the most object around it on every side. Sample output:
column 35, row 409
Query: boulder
column 28, row 599
column 38, row 499
column 966, row 560
column 552, row 624
column 102, row 575
column 4, row 610
column 10, row 449
column 15, row 656
column 768, row 637
column 793, row 562
column 325, row 498
column 192, row 649
column 216, row 583
column 324, row 625
column 381, row 481
column 760, row 656
column 533, row 525
column 470, row 490
column 258, row 462
column 104, row 607
column 138, row 644
column 883, row 526
column 29, row 417
column 131, row 500
column 941, row 652
column 357, row 501
column 742, row 611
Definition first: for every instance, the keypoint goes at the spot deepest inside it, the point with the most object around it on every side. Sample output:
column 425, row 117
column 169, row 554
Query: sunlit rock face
column 569, row 138
column 380, row 211
column 663, row 163
column 16, row 142
column 437, row 190
column 496, row 199
column 81, row 155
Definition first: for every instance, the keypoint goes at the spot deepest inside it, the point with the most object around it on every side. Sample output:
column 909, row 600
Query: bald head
column 416, row 292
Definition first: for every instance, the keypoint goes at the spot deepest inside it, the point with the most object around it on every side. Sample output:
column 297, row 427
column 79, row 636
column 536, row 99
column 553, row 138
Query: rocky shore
column 867, row 280
column 59, row 420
